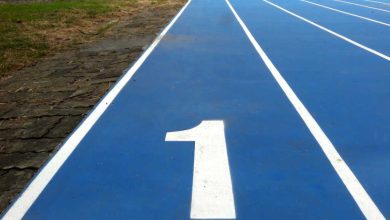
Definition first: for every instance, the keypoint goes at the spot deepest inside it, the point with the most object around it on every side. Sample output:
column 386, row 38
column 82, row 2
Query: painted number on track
column 212, row 194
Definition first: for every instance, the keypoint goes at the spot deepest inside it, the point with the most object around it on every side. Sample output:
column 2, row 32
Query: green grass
column 19, row 43
column 50, row 10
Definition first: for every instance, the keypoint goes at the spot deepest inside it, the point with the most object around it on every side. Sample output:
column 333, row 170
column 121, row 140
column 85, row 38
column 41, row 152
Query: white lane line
column 331, row 32
column 347, row 13
column 364, row 6
column 361, row 197
column 34, row 189
column 383, row 3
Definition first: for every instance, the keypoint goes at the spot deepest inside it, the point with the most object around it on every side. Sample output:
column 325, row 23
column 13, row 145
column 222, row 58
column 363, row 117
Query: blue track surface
column 205, row 68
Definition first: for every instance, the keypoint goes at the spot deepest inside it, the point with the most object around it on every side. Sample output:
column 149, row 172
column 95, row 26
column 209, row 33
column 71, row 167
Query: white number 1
column 212, row 194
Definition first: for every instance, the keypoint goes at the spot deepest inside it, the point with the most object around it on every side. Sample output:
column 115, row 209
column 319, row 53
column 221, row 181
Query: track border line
column 347, row 13
column 383, row 3
column 359, row 194
column 26, row 199
column 364, row 6
column 330, row 31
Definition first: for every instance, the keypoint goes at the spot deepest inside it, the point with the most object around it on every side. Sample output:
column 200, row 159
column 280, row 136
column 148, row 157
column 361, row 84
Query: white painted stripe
column 363, row 200
column 38, row 184
column 212, row 191
column 331, row 32
column 383, row 3
column 364, row 6
column 347, row 13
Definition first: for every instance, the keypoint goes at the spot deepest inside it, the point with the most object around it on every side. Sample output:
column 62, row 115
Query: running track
column 294, row 101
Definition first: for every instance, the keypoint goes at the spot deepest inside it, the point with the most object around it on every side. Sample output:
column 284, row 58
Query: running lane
column 370, row 34
column 344, row 87
column 204, row 69
column 363, row 11
column 384, row 4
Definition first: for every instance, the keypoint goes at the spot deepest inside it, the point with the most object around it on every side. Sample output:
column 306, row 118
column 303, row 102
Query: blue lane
column 370, row 34
column 362, row 11
column 374, row 3
column 344, row 87
column 205, row 68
